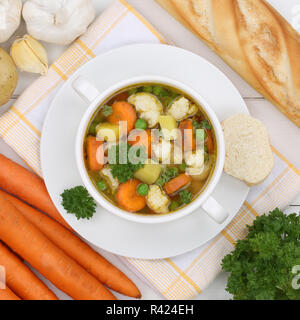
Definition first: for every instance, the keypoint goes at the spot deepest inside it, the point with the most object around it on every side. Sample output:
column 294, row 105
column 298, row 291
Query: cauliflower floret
column 182, row 108
column 205, row 172
column 148, row 106
column 195, row 162
column 113, row 183
column 162, row 150
column 157, row 201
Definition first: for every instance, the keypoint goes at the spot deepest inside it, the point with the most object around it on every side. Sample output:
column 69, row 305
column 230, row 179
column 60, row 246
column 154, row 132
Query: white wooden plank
column 296, row 201
column 284, row 134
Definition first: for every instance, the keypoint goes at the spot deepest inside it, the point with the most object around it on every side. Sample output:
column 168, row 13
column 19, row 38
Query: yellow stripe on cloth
column 286, row 161
column 85, row 48
column 250, row 208
column 274, row 182
column 228, row 237
column 183, row 275
column 109, row 29
column 26, row 121
column 59, row 72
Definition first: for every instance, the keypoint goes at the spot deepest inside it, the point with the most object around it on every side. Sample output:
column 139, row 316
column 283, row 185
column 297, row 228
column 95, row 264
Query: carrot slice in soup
column 141, row 138
column 177, row 183
column 189, row 141
column 123, row 111
column 120, row 97
column 128, row 198
column 209, row 142
column 95, row 153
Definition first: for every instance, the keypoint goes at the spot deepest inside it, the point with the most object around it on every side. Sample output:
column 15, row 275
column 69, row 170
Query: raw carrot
column 209, row 141
column 7, row 294
column 95, row 153
column 21, row 279
column 92, row 261
column 128, row 198
column 141, row 138
column 188, row 138
column 177, row 183
column 123, row 111
column 27, row 186
column 33, row 246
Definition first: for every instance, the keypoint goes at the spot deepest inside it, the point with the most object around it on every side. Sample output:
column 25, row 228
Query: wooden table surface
column 285, row 136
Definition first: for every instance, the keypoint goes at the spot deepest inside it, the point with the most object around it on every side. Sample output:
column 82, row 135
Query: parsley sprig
column 262, row 265
column 78, row 201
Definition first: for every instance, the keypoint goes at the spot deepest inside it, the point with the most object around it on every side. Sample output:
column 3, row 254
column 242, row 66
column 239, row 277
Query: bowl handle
column 215, row 210
column 85, row 89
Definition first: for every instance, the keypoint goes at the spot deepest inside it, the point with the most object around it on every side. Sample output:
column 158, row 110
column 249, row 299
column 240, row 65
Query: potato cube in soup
column 168, row 125
column 149, row 174
column 108, row 132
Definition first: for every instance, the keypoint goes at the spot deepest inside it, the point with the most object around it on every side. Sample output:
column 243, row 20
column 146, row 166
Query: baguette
column 254, row 39
column 249, row 155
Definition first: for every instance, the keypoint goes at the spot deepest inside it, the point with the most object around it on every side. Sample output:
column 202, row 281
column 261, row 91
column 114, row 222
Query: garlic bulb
column 29, row 55
column 10, row 18
column 58, row 21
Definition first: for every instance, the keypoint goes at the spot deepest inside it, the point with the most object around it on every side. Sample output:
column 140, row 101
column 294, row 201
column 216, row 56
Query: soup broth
column 173, row 142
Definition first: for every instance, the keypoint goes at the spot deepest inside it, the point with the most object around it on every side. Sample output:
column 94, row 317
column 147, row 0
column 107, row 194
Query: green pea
column 92, row 128
column 168, row 101
column 98, row 118
column 174, row 205
column 157, row 90
column 142, row 189
column 148, row 89
column 102, row 185
column 182, row 167
column 132, row 91
column 141, row 124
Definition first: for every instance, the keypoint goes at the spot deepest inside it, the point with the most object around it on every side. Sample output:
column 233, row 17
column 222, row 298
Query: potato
column 149, row 174
column 168, row 124
column 108, row 132
column 8, row 77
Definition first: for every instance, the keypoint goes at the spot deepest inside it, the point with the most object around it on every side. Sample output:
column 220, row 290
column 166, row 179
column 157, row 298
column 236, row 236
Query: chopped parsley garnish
column 125, row 160
column 167, row 174
column 204, row 124
column 107, row 111
column 185, row 196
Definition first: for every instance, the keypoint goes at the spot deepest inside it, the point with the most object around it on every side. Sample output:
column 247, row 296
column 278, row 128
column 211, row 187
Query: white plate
column 106, row 230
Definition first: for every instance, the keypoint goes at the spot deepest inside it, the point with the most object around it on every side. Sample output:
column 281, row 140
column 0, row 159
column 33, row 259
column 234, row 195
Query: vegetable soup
column 150, row 149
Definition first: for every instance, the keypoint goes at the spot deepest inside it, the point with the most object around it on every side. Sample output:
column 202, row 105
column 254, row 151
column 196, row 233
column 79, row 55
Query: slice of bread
column 249, row 156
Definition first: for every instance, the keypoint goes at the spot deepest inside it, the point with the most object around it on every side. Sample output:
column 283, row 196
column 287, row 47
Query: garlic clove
column 30, row 55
